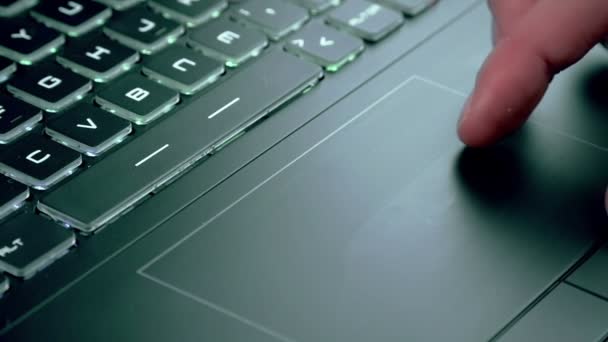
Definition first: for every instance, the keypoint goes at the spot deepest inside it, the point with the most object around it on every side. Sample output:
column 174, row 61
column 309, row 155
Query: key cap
column 4, row 284
column 325, row 46
column 409, row 7
column 16, row 118
column 7, row 68
column 157, row 156
column 28, row 243
column 9, row 8
column 227, row 41
column 137, row 99
column 183, row 69
column 12, row 195
column 317, row 6
column 39, row 162
column 100, row 59
column 566, row 314
column 143, row 30
column 593, row 274
column 49, row 87
column 365, row 19
column 190, row 12
column 88, row 129
column 27, row 42
column 276, row 18
column 72, row 17
column 119, row 4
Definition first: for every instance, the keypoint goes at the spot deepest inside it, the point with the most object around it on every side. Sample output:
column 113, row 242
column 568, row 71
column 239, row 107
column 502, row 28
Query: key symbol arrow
column 90, row 125
column 326, row 42
column 298, row 42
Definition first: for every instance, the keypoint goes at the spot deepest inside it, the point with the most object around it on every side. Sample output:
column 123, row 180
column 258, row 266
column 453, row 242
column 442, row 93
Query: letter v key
column 90, row 125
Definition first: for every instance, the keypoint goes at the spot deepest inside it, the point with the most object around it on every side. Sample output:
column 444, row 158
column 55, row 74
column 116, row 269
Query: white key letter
column 32, row 157
column 147, row 25
column 49, row 82
column 99, row 50
column 227, row 37
column 178, row 65
column 187, row 2
column 137, row 94
column 72, row 9
column 22, row 34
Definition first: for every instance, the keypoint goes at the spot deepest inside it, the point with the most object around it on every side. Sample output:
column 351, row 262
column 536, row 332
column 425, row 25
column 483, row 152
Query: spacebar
column 114, row 184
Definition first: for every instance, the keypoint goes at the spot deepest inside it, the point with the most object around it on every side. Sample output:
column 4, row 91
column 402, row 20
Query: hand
column 534, row 40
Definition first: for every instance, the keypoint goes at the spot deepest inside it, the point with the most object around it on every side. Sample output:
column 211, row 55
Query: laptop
column 288, row 170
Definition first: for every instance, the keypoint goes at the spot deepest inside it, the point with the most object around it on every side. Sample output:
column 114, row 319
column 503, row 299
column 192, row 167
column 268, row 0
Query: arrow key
column 325, row 46
column 88, row 129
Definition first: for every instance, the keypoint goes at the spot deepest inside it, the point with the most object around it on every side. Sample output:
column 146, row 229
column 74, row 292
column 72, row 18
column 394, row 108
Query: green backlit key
column 227, row 41
column 137, row 99
column 325, row 46
column 143, row 30
column 28, row 243
column 49, row 86
column 183, row 69
column 38, row 162
column 27, row 42
column 72, row 17
column 98, row 58
column 88, row 129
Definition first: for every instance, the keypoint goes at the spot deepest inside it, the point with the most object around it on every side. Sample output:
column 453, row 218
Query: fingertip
column 473, row 128
column 508, row 88
column 468, row 132
column 473, row 137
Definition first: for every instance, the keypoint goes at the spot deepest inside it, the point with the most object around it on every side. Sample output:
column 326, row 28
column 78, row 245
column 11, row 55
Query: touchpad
column 388, row 230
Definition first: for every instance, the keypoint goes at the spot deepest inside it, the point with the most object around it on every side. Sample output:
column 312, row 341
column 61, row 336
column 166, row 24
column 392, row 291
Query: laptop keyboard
column 139, row 91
